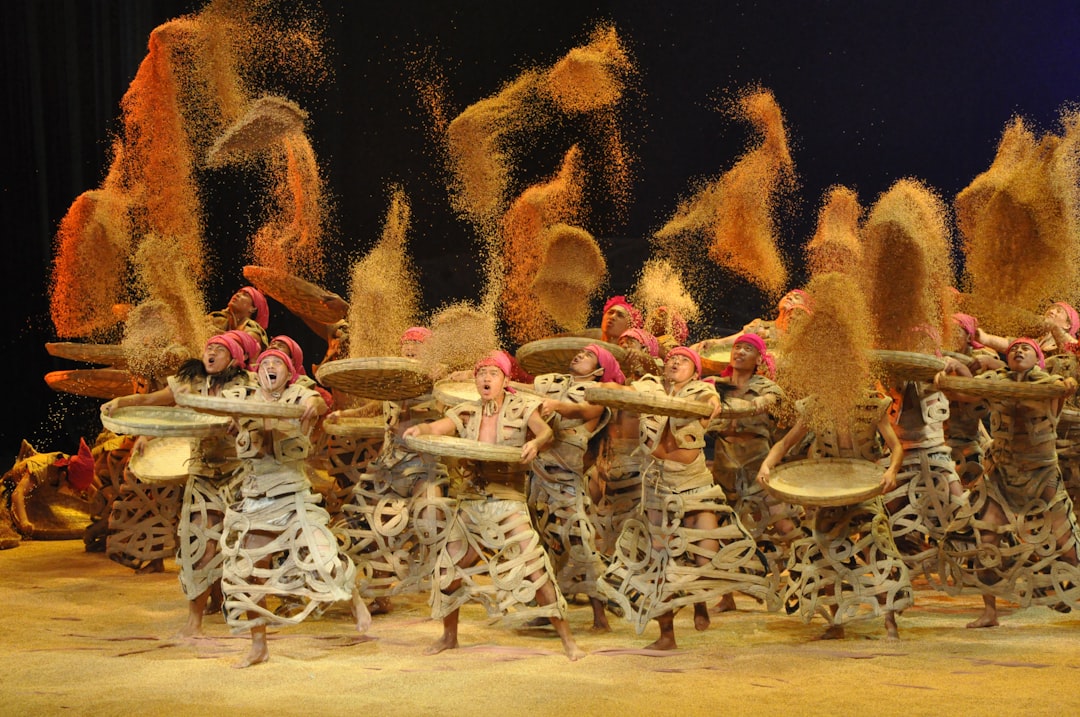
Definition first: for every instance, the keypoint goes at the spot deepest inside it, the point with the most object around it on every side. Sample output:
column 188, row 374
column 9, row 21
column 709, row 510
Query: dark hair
column 193, row 370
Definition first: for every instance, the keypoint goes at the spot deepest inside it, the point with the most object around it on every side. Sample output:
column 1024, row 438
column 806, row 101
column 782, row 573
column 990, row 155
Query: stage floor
column 85, row 636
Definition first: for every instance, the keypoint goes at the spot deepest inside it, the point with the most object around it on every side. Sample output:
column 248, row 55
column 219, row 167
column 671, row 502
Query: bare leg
column 599, row 617
column 360, row 612
column 667, row 633
column 448, row 641
column 570, row 647
column 701, row 616
column 196, row 610
column 380, row 606
column 891, row 631
column 157, row 565
column 835, row 631
column 726, row 604
column 988, row 618
column 259, row 652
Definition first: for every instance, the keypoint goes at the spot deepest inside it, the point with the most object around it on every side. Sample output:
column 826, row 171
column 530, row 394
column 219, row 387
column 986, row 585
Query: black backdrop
column 871, row 91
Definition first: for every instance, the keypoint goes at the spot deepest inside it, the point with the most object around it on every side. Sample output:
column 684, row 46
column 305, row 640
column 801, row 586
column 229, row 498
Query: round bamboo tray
column 222, row 406
column 162, row 460
column 454, row 447
column 1070, row 415
column 385, row 378
column 451, row 393
column 103, row 383
column 163, row 421
column 300, row 297
column 826, row 481
column 102, row 354
column 355, row 427
column 1003, row 390
column 553, row 355
column 657, row 404
column 908, row 364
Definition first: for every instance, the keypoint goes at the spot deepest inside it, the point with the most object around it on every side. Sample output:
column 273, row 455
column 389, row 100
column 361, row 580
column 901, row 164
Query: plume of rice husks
column 384, row 296
column 660, row 284
column 907, row 269
column 461, row 334
column 735, row 212
column 265, row 123
column 92, row 245
column 591, row 76
column 572, row 270
column 824, row 355
column 149, row 342
column 1019, row 225
column 835, row 245
column 165, row 276
column 524, row 248
column 291, row 238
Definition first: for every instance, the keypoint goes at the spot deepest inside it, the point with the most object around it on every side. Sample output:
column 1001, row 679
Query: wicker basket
column 454, row 447
column 222, row 406
column 163, row 421
column 163, row 460
column 384, row 378
column 300, row 297
column 101, row 354
column 1002, row 390
column 103, row 383
column 826, row 481
column 451, row 393
column 908, row 364
column 555, row 354
column 657, row 404
column 355, row 427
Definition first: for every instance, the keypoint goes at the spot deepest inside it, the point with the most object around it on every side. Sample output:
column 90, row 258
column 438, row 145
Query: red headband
column 417, row 333
column 644, row 338
column 635, row 315
column 1033, row 344
column 759, row 344
column 296, row 354
column 688, row 353
column 248, row 343
column 262, row 309
column 1074, row 317
column 231, row 345
column 607, row 362
column 281, row 355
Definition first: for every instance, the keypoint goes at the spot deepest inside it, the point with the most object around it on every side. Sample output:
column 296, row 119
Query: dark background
column 871, row 92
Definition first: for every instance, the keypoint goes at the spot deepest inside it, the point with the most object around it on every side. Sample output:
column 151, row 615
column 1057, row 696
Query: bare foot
column 984, row 620
column 443, row 643
column 573, row 652
column 380, row 606
column 258, row 655
column 891, row 632
column 833, row 632
column 701, row 617
column 600, row 627
column 190, row 629
column 726, row 604
column 361, row 613
column 157, row 565
column 664, row 643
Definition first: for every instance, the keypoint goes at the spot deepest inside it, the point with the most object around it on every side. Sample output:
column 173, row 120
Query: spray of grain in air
column 662, row 296
column 1019, row 224
column 150, row 342
column 735, row 212
column 823, row 355
column 571, row 273
column 164, row 276
column 907, row 269
column 836, row 245
column 384, row 295
column 461, row 334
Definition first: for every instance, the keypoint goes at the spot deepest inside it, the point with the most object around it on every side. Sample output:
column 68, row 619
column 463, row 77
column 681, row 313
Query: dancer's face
column 215, row 358
column 745, row 357
column 1022, row 357
column 273, row 373
column 490, row 382
column 679, row 369
column 584, row 363
column 616, row 321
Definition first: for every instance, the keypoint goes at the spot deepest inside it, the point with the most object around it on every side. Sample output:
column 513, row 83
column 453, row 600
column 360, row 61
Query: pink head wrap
column 248, row 343
column 665, row 315
column 758, row 343
column 499, row 359
column 80, row 473
column 1032, row 343
column 688, row 353
column 1074, row 317
column 644, row 338
column 607, row 362
column 635, row 315
column 231, row 345
column 970, row 325
column 262, row 309
column 281, row 355
column 295, row 354
column 419, row 334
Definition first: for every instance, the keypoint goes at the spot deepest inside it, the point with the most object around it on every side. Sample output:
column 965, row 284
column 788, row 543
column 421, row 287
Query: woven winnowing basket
column 908, row 364
column 454, row 447
column 554, row 355
column 1003, row 390
column 300, row 297
column 826, row 481
column 102, row 354
column 163, row 421
column 384, row 378
column 222, row 406
column 658, row 404
column 354, row 427
column 162, row 460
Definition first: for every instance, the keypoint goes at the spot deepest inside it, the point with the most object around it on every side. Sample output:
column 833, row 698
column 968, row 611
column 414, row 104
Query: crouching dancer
column 489, row 531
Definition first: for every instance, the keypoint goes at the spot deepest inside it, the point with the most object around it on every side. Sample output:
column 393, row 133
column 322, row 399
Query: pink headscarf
column 665, row 315
column 231, row 345
column 248, row 343
column 635, row 315
column 970, row 325
column 419, row 334
column 296, row 354
column 1032, row 343
column 688, row 353
column 644, row 338
column 262, row 309
column 758, row 343
column 80, row 473
column 607, row 362
column 1074, row 317
column 281, row 355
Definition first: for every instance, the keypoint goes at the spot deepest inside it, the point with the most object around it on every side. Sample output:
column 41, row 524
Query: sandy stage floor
column 84, row 636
